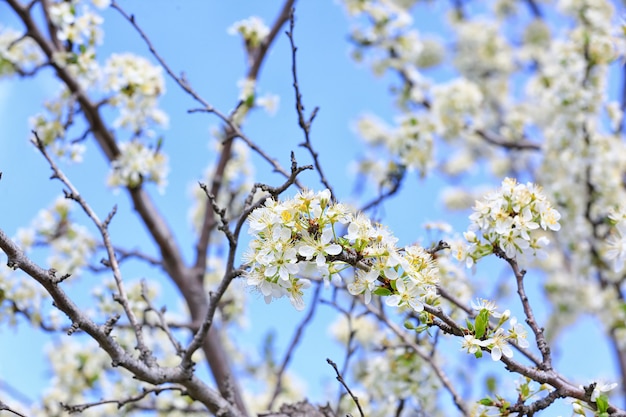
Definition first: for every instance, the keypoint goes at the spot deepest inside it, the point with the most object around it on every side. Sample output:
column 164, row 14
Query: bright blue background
column 191, row 35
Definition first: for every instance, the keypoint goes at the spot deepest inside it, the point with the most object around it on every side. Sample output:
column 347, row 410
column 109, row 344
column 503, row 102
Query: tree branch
column 102, row 226
column 345, row 385
column 304, row 122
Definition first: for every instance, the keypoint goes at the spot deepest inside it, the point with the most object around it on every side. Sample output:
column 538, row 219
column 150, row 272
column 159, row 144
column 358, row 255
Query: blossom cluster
column 17, row 53
column 136, row 85
column 481, row 335
column 302, row 237
column 51, row 128
column 79, row 29
column 138, row 163
column 127, row 82
column 410, row 142
column 615, row 244
column 510, row 219
column 253, row 30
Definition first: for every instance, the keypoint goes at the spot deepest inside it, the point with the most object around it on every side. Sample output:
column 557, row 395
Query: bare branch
column 221, row 214
column 304, row 122
column 162, row 324
column 542, row 344
column 79, row 408
column 494, row 139
column 121, row 297
column 5, row 407
column 152, row 374
column 343, row 382
column 180, row 80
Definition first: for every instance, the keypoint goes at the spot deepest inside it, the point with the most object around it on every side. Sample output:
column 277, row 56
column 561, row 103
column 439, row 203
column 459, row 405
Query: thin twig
column 542, row 344
column 5, row 407
column 221, row 214
column 304, row 122
column 79, row 408
column 180, row 80
column 162, row 324
column 396, row 182
column 534, row 9
column 345, row 385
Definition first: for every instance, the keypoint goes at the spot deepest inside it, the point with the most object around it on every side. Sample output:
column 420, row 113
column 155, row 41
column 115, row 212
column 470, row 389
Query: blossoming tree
column 519, row 98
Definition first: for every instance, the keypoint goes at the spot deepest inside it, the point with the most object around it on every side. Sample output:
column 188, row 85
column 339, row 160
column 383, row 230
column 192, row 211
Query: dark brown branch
column 281, row 19
column 154, row 222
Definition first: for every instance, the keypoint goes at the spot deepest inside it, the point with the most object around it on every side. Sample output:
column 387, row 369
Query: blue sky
column 191, row 35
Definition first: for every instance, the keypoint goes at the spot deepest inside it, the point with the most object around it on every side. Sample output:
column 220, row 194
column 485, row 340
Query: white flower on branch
column 136, row 164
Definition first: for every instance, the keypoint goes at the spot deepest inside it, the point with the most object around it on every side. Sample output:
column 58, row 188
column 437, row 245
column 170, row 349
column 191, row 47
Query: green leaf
column 486, row 401
column 249, row 102
column 524, row 391
column 603, row 403
column 481, row 322
column 343, row 241
column 382, row 291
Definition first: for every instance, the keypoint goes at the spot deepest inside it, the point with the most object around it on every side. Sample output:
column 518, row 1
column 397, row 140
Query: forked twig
column 102, row 226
